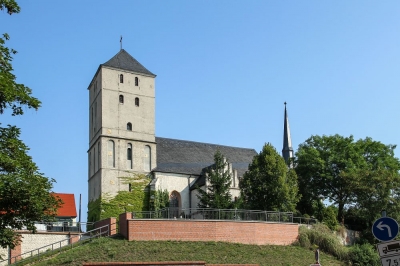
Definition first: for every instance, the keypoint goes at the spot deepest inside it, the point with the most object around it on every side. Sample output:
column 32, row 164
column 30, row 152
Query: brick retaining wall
column 112, row 225
column 245, row 232
column 158, row 263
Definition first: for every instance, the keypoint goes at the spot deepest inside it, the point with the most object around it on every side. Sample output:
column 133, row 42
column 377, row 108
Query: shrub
column 321, row 236
column 329, row 218
column 363, row 255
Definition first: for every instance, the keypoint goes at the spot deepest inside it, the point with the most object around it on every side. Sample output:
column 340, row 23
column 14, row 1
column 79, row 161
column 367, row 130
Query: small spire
column 120, row 42
column 287, row 151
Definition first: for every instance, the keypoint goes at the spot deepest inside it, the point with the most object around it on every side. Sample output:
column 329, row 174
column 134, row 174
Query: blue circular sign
column 385, row 229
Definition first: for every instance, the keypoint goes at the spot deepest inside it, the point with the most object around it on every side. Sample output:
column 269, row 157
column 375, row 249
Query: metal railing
column 216, row 214
column 304, row 220
column 62, row 226
column 69, row 243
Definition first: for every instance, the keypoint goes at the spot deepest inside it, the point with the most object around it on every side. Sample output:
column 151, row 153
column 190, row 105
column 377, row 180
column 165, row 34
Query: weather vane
column 120, row 41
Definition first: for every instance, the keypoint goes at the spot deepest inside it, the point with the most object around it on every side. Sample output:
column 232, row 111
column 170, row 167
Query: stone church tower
column 121, row 124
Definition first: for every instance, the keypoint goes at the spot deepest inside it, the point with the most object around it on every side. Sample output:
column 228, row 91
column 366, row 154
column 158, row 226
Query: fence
column 62, row 226
column 36, row 254
column 216, row 214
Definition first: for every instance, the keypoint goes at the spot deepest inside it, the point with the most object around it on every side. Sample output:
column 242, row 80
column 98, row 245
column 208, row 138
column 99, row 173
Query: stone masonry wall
column 38, row 240
column 3, row 255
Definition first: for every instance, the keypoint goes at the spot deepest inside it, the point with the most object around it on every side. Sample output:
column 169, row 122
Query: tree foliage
column 25, row 194
column 218, row 181
column 363, row 174
column 269, row 184
column 10, row 5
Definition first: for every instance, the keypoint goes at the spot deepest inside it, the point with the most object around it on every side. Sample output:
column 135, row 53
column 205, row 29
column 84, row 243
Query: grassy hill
column 116, row 249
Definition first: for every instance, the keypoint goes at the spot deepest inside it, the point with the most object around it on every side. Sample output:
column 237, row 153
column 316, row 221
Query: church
column 122, row 139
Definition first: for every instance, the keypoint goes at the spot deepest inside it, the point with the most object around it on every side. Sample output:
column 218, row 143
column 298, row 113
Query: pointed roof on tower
column 287, row 151
column 123, row 60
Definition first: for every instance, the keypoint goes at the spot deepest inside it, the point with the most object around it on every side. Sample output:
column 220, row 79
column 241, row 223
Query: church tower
column 121, row 124
column 287, row 151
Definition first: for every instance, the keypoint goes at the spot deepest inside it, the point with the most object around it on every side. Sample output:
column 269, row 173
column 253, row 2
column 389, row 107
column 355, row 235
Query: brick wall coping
column 208, row 220
column 146, row 263
column 171, row 263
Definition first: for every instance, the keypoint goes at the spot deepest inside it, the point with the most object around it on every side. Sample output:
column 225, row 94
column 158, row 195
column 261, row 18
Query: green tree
column 269, row 184
column 25, row 194
column 349, row 173
column 218, row 181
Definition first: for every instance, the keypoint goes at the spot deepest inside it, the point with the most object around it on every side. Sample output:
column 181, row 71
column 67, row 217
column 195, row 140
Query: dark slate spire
column 287, row 151
column 125, row 61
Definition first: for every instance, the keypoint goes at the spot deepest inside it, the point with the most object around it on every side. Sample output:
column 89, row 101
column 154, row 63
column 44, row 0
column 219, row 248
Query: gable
column 68, row 208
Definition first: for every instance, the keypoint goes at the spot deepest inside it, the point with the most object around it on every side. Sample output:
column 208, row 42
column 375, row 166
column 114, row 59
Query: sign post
column 386, row 229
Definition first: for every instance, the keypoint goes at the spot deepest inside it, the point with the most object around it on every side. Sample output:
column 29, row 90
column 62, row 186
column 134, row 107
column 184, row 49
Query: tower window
column 111, row 153
column 98, row 156
column 129, row 156
column 129, row 126
column 90, row 163
column 137, row 101
column 147, row 158
column 121, row 78
column 136, row 81
column 121, row 99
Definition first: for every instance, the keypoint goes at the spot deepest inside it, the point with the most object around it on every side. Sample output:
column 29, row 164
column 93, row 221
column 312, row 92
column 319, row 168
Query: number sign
column 391, row 261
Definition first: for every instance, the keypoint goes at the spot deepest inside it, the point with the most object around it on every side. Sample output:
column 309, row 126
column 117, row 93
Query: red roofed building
column 67, row 210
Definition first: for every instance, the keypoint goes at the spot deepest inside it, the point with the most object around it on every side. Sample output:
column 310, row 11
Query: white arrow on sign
column 380, row 226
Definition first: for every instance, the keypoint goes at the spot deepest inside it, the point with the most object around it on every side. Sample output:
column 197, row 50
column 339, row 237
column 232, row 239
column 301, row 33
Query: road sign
column 385, row 229
column 391, row 261
column 387, row 249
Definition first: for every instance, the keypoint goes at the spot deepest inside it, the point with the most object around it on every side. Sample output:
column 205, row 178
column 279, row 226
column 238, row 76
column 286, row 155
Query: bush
column 329, row 218
column 321, row 236
column 363, row 255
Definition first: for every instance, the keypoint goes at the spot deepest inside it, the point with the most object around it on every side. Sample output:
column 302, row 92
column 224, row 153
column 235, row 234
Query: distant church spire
column 287, row 151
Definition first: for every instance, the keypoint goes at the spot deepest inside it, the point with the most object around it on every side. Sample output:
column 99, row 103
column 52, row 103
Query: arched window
column 136, row 81
column 95, row 117
column 121, row 78
column 93, row 121
column 129, row 126
column 121, row 99
column 111, row 153
column 147, row 158
column 129, row 156
column 98, row 156
column 174, row 204
column 90, row 163
column 137, row 101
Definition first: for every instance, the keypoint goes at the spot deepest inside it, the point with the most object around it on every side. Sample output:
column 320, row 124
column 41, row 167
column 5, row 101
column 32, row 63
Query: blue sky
column 224, row 70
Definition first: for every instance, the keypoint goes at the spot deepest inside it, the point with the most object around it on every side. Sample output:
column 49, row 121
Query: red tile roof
column 68, row 208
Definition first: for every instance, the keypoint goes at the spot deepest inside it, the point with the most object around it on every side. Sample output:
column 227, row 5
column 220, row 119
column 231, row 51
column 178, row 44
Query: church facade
column 122, row 139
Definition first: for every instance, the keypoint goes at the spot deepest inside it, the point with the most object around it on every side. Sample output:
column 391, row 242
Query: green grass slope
column 114, row 249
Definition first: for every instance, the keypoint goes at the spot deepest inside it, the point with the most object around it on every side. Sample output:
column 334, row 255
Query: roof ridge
column 190, row 141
